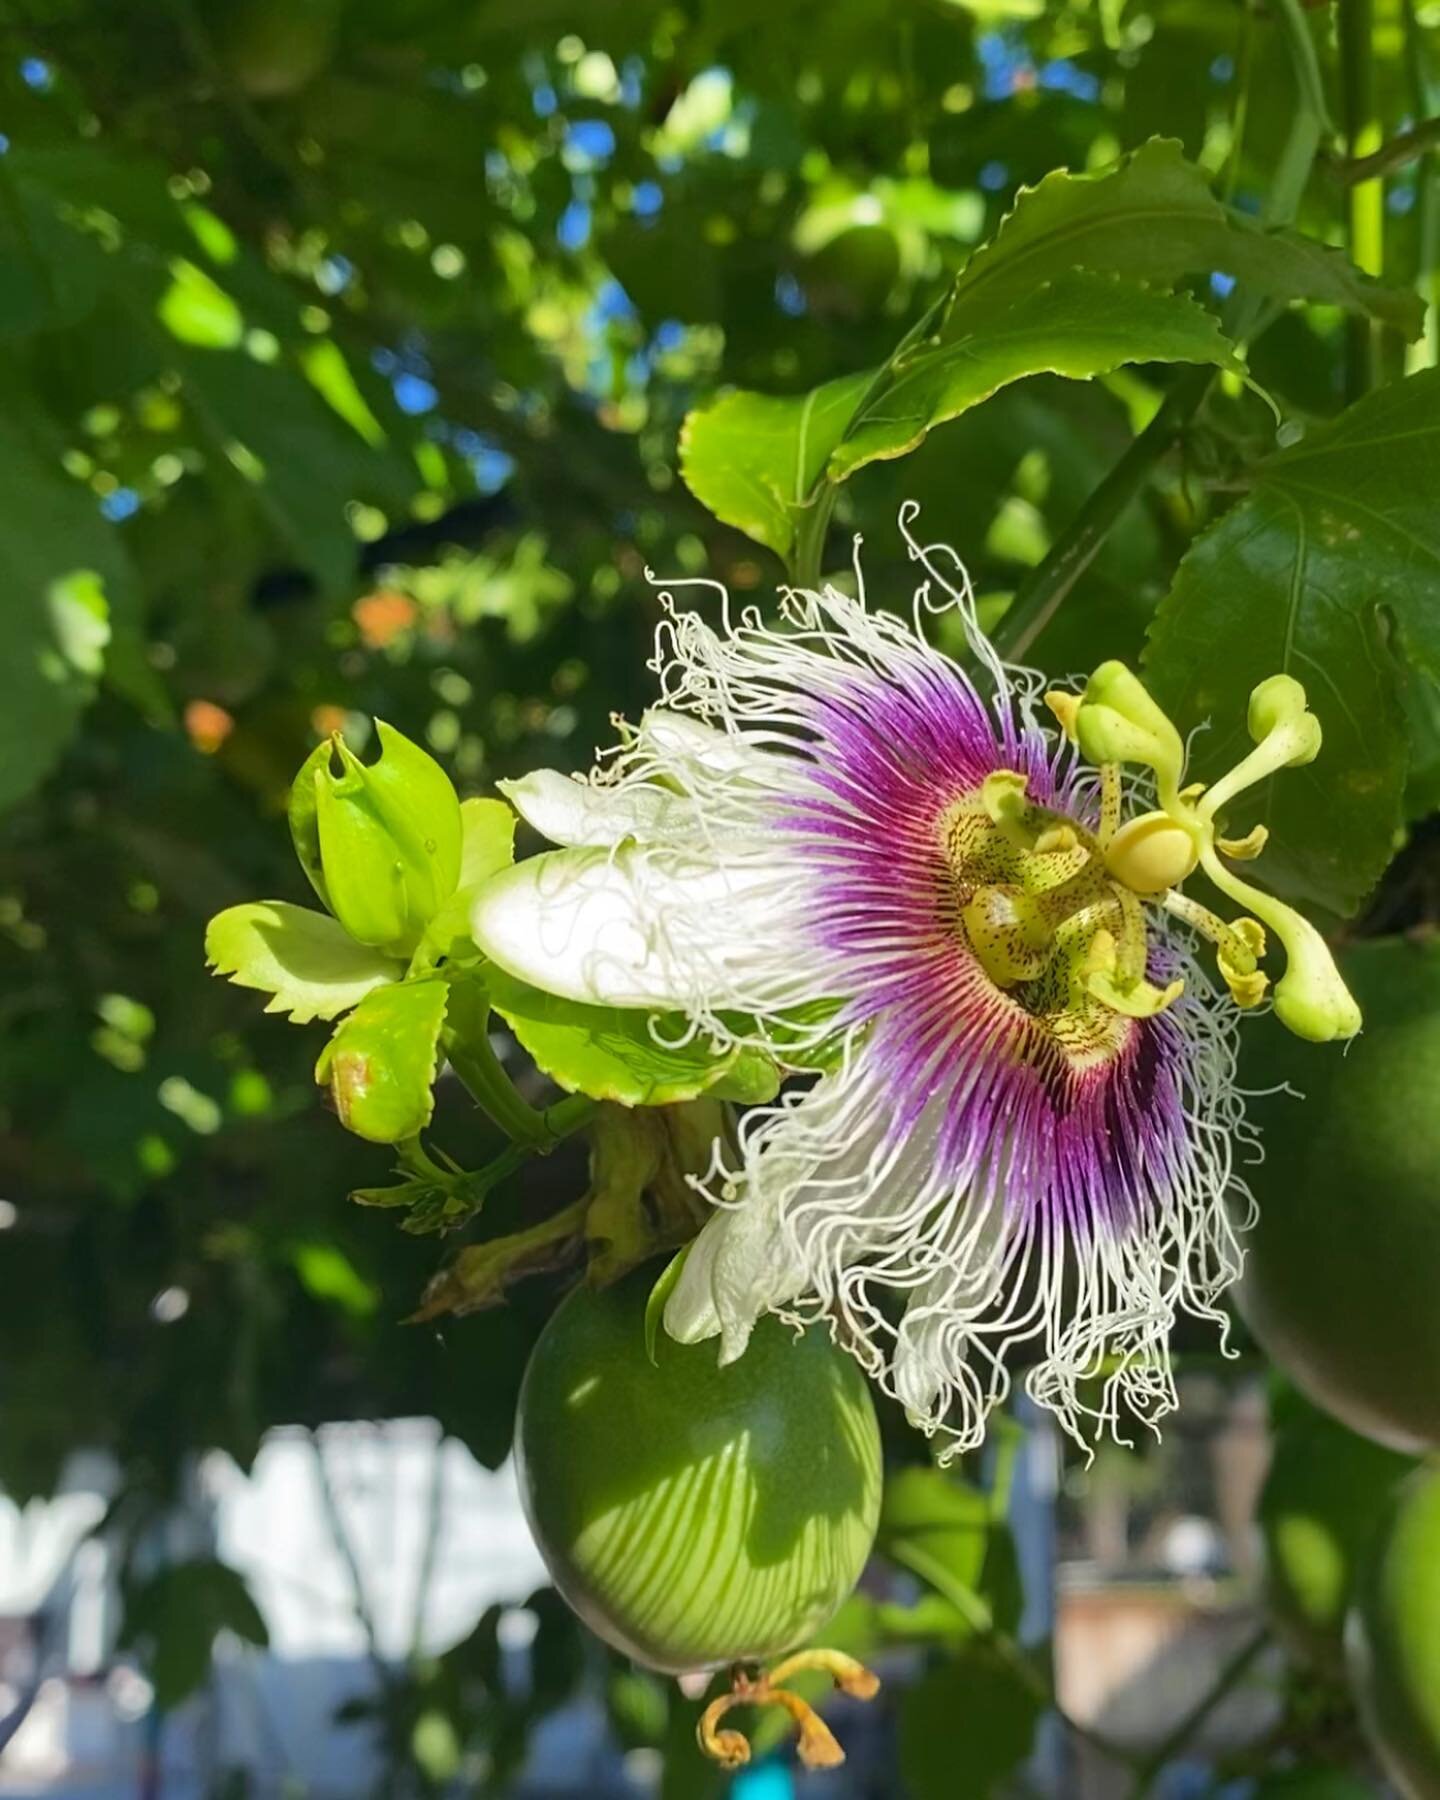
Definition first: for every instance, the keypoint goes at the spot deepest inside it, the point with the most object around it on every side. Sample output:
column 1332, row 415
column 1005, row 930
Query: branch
column 1175, row 1741
column 1405, row 147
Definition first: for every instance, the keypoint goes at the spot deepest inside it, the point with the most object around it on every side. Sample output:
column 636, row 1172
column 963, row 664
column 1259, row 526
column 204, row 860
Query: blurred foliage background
column 345, row 345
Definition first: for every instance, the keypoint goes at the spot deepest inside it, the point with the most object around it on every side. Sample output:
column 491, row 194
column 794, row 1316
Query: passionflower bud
column 389, row 840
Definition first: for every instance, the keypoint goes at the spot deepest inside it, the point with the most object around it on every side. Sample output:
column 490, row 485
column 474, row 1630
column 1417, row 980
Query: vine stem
column 1365, row 200
column 1405, row 147
column 1077, row 546
column 1174, row 1742
column 1425, row 98
column 976, row 1612
column 483, row 1076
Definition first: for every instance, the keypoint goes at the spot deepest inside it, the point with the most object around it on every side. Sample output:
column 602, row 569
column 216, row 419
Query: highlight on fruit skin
column 1326, row 1491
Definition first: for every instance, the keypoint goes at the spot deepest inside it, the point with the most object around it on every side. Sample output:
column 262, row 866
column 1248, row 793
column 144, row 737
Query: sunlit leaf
column 305, row 960
column 197, row 310
column 612, row 1053
column 381, row 1064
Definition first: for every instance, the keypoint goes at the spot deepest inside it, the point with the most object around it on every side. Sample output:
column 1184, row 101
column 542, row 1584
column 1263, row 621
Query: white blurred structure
column 433, row 1539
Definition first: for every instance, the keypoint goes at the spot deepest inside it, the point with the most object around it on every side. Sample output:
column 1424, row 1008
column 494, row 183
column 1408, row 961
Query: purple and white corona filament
column 830, row 841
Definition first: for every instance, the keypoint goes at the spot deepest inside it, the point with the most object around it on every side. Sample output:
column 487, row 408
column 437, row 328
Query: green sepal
column 659, row 1294
column 305, row 960
column 390, row 835
column 381, row 1063
column 612, row 1053
column 304, row 826
column 487, row 845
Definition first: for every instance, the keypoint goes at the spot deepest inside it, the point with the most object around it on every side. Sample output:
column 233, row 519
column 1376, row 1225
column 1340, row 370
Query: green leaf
column 487, row 845
column 1078, row 325
column 382, row 1062
column 487, row 842
column 1153, row 218
column 303, row 813
column 753, row 459
column 1073, row 283
column 944, row 1530
column 68, row 585
column 304, row 959
column 611, row 1053
column 1340, row 534
column 965, row 1727
column 176, row 1616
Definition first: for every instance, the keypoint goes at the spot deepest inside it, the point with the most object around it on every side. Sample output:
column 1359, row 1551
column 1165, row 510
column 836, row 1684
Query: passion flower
column 831, row 836
column 695, row 1516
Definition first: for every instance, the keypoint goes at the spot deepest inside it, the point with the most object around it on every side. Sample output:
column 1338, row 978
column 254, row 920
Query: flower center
column 1052, row 918
column 1048, row 905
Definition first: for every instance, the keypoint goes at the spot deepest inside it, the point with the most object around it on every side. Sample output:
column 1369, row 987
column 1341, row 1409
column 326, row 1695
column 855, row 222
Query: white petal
column 623, row 927
column 738, row 1268
column 686, row 739
column 574, row 812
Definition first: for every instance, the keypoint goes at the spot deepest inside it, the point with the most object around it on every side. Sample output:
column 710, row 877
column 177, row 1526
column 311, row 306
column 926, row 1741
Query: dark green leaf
column 1340, row 538
column 176, row 1615
column 68, row 585
column 965, row 1727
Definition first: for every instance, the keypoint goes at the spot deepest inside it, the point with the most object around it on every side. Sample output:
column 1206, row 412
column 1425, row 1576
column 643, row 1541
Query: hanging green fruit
column 697, row 1516
column 1392, row 1639
column 1325, row 1494
column 1343, row 1262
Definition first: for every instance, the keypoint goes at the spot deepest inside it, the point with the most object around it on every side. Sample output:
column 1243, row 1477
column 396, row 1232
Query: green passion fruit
column 693, row 1515
column 1343, row 1265
column 1392, row 1638
column 1324, row 1497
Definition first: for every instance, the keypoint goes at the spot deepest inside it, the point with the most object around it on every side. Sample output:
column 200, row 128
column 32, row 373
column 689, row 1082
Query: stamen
column 1311, row 999
column 1119, row 722
column 1066, row 708
column 1008, row 934
column 1240, row 946
column 1134, row 997
column 1286, row 735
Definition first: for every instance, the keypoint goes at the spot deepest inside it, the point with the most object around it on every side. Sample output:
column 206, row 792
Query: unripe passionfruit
column 694, row 1515
column 1341, row 1267
column 1327, row 1490
column 1392, row 1638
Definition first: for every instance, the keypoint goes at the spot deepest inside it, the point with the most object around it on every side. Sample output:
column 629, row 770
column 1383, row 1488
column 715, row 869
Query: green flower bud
column 389, row 836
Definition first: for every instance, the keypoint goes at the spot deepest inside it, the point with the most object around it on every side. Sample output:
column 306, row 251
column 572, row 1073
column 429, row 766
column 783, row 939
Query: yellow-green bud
column 389, row 835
